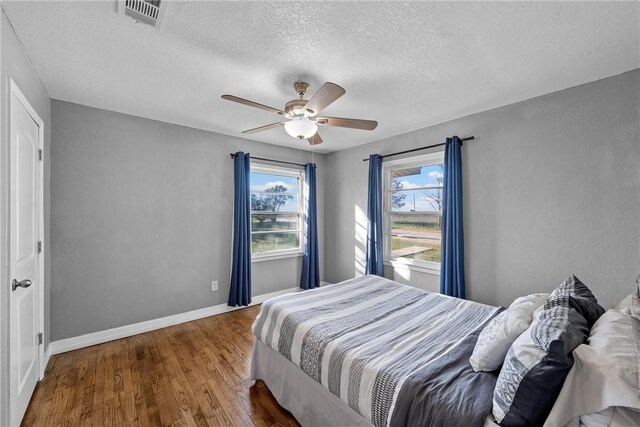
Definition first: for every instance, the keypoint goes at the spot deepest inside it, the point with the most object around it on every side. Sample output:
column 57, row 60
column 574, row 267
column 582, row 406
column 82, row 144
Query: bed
column 370, row 351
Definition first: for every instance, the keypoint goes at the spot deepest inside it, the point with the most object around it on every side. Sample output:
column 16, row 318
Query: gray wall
column 551, row 187
column 141, row 219
column 15, row 64
column 141, row 210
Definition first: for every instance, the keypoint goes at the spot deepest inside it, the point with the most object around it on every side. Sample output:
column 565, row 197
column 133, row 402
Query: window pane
column 417, row 200
column 264, row 182
column 411, row 189
column 419, row 176
column 416, row 236
column 415, row 248
column 421, row 225
column 274, row 241
column 414, row 191
column 274, row 193
column 271, row 222
column 274, row 202
column 274, row 206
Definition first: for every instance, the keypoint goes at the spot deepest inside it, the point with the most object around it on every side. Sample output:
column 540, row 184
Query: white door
column 23, row 256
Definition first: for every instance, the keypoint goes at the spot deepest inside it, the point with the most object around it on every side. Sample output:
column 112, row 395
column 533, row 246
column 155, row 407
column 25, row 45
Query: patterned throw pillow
column 582, row 299
column 538, row 362
column 496, row 338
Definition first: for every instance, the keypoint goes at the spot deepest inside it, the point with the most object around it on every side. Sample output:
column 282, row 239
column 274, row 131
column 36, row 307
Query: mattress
column 383, row 348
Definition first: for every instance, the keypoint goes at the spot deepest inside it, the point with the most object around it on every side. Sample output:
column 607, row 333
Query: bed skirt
column 309, row 402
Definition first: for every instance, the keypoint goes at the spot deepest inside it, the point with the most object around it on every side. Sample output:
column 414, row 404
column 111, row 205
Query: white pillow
column 531, row 302
column 605, row 373
column 496, row 338
column 629, row 305
column 613, row 416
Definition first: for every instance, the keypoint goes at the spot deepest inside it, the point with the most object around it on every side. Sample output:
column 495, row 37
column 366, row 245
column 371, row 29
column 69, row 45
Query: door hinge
column 40, row 338
column 39, row 246
column 40, row 154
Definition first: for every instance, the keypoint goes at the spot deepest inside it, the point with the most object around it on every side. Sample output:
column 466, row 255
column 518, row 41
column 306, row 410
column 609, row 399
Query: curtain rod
column 233, row 156
column 469, row 138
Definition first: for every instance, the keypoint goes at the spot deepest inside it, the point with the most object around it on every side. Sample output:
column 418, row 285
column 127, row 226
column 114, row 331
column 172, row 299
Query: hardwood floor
column 190, row 374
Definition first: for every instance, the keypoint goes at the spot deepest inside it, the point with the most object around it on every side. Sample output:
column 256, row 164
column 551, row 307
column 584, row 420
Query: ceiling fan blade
column 343, row 122
column 315, row 139
column 328, row 93
column 265, row 127
column 252, row 104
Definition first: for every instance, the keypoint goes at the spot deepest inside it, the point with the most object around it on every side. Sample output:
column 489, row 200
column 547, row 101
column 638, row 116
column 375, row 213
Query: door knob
column 21, row 284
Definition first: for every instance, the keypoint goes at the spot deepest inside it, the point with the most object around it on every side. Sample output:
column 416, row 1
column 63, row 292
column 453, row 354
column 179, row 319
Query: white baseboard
column 47, row 357
column 87, row 340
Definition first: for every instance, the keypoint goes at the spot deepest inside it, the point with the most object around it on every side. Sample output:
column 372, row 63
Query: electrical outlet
column 214, row 285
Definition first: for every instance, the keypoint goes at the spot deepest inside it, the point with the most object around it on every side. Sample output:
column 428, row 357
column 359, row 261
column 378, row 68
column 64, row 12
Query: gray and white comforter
column 395, row 354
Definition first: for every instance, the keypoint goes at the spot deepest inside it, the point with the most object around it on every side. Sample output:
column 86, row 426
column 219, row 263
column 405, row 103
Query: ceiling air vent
column 149, row 12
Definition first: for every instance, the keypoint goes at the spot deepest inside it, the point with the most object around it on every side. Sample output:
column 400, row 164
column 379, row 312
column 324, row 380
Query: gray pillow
column 582, row 299
column 538, row 362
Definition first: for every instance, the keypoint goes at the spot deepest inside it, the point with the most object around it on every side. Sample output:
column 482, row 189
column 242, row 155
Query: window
column 276, row 210
column 413, row 209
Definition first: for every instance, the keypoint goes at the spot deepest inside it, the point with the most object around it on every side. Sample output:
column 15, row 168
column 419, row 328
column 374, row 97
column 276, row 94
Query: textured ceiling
column 407, row 65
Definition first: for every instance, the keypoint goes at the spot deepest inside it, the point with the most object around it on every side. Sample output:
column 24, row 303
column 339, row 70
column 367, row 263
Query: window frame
column 423, row 160
column 259, row 167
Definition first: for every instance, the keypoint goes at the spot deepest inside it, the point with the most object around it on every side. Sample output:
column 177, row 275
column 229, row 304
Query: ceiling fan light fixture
column 301, row 127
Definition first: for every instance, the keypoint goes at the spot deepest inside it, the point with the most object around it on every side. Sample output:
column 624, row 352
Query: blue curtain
column 374, row 214
column 240, row 293
column 452, row 262
column 310, row 262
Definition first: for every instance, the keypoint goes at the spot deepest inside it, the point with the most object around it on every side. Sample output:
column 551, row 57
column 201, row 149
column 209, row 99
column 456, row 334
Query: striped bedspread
column 363, row 338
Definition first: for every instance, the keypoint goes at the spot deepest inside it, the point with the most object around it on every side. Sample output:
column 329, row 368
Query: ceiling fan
column 303, row 114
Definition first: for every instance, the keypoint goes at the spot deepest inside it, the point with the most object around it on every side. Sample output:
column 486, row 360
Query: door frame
column 14, row 90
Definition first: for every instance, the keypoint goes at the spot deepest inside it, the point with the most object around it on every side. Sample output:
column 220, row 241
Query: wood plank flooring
column 194, row 374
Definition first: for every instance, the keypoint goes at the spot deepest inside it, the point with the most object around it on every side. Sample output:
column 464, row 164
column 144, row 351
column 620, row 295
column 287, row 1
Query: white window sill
column 407, row 265
column 274, row 256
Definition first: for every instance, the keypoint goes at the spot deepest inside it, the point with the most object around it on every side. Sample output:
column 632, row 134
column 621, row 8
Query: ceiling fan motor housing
column 295, row 107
